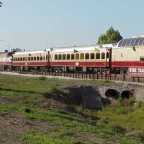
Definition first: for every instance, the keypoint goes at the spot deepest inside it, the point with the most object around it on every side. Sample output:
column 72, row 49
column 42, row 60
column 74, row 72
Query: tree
column 1, row 4
column 110, row 36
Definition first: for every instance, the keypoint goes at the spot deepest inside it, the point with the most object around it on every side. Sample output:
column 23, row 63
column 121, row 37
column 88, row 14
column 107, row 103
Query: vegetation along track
column 29, row 114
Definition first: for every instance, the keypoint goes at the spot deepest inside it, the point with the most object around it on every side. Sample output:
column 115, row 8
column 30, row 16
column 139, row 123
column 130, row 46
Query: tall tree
column 110, row 36
column 1, row 4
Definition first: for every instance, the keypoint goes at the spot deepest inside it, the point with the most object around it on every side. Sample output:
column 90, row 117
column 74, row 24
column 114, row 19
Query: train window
column 102, row 55
column 21, row 59
column 38, row 58
column 59, row 56
column 97, row 55
column 82, row 56
column 56, row 56
column 32, row 58
column 92, row 56
column 72, row 56
column 29, row 58
column 35, row 58
column 64, row 56
column 77, row 56
column 87, row 56
column 41, row 58
column 141, row 58
column 68, row 56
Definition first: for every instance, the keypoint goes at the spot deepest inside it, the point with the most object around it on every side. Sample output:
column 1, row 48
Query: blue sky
column 37, row 24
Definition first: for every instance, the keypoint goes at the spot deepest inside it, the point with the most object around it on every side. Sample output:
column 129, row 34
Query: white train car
column 129, row 55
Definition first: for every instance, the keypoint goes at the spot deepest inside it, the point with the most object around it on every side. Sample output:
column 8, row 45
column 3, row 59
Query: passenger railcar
column 129, row 56
column 31, row 59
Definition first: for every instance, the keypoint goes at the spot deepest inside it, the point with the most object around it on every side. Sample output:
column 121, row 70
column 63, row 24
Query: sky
column 40, row 24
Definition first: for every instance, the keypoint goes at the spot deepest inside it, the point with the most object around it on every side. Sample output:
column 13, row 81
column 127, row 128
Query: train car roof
column 131, row 42
column 29, row 52
column 76, row 48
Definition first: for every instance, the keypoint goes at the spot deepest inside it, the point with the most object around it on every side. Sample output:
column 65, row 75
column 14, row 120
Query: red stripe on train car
column 127, row 64
column 81, row 64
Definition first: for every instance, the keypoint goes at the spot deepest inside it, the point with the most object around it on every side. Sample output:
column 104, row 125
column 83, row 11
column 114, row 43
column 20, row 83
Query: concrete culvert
column 112, row 93
column 126, row 94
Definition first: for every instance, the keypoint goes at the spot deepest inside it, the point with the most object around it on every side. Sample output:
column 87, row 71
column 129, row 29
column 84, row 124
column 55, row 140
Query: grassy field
column 28, row 117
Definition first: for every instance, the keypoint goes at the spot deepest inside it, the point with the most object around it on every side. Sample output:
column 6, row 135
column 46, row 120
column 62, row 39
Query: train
column 124, row 57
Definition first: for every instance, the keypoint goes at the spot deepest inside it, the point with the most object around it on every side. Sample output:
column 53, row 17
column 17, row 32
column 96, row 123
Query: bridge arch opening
column 126, row 94
column 112, row 93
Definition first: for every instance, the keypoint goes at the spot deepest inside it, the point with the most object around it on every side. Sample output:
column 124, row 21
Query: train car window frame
column 64, row 56
column 97, row 55
column 68, row 57
column 59, row 56
column 35, row 58
column 38, row 58
column 142, row 58
column 41, row 58
column 87, row 56
column 56, row 57
column 77, row 56
column 72, row 56
column 81, row 56
column 102, row 55
column 31, row 58
column 92, row 56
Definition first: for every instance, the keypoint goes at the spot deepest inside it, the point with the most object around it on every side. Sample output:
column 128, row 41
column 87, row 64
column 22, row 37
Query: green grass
column 24, row 95
column 32, row 138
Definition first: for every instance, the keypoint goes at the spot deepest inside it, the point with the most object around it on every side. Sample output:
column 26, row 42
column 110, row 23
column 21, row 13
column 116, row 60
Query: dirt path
column 14, row 125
